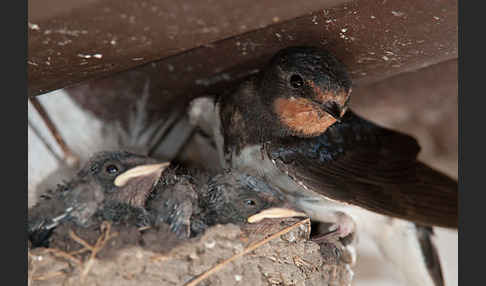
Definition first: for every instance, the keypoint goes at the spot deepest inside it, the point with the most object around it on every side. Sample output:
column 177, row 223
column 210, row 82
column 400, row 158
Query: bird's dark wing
column 40, row 216
column 431, row 256
column 358, row 162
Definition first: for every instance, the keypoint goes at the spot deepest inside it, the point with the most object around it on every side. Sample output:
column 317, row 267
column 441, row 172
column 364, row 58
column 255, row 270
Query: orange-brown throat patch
column 302, row 116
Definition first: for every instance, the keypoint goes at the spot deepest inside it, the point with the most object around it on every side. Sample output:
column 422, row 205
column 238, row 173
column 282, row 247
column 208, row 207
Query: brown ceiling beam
column 75, row 40
column 375, row 39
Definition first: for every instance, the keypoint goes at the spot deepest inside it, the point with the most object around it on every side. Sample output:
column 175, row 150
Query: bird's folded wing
column 430, row 254
column 358, row 162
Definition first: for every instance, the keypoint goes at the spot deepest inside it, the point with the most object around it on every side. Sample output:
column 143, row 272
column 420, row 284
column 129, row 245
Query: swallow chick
column 111, row 186
column 190, row 201
column 291, row 125
column 235, row 197
column 174, row 200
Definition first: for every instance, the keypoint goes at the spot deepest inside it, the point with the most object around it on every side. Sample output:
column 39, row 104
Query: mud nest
column 272, row 252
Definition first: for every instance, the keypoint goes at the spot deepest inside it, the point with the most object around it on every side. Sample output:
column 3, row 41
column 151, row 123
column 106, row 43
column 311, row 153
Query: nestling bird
column 190, row 201
column 137, row 190
column 110, row 186
column 291, row 125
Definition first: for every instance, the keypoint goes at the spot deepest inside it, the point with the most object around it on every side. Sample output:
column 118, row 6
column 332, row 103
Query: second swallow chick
column 191, row 201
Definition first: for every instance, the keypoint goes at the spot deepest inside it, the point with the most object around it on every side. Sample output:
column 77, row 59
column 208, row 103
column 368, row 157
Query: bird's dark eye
column 296, row 81
column 249, row 202
column 111, row 169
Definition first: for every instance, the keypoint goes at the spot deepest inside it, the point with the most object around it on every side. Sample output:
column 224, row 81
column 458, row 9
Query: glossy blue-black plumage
column 358, row 162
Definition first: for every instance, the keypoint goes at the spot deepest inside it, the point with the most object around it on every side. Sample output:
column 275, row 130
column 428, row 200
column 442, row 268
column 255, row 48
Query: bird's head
column 123, row 176
column 234, row 197
column 307, row 88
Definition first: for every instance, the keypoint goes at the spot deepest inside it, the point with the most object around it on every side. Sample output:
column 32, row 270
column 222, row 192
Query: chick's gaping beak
column 275, row 213
column 150, row 170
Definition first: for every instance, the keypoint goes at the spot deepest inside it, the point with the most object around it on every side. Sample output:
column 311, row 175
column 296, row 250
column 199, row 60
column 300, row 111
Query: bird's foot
column 330, row 214
column 341, row 225
column 342, row 233
column 337, row 235
column 342, row 229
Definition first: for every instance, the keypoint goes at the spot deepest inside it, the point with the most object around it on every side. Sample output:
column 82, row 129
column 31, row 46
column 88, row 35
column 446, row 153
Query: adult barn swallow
column 291, row 124
column 110, row 185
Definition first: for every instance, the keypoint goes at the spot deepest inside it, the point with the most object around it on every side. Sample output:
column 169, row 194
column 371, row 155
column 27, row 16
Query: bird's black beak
column 332, row 108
